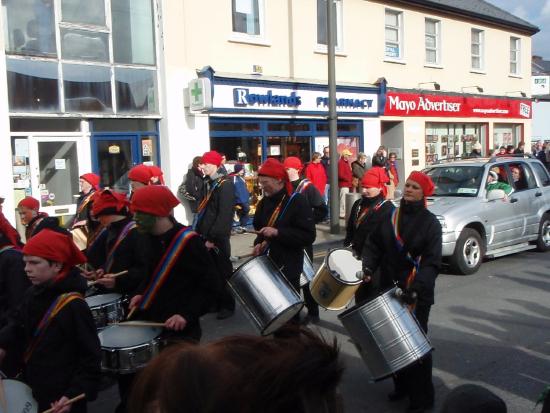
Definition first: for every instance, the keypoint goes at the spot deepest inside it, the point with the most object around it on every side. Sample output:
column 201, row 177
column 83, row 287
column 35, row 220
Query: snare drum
column 269, row 299
column 126, row 349
column 18, row 397
column 106, row 309
column 337, row 279
column 386, row 334
column 307, row 271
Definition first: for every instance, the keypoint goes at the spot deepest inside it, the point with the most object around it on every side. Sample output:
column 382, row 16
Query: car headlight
column 441, row 220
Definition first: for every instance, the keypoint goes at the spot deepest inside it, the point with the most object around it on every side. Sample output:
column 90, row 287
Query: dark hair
column 316, row 155
column 243, row 374
column 378, row 160
column 196, row 161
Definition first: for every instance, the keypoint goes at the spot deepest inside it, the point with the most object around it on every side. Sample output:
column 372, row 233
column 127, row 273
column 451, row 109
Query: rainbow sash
column 54, row 309
column 401, row 246
column 361, row 216
column 303, row 186
column 111, row 256
column 165, row 265
column 201, row 209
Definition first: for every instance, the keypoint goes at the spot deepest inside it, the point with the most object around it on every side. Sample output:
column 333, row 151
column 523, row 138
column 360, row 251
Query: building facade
column 102, row 85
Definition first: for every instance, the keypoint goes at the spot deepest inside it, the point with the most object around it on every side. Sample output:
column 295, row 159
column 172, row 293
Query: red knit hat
column 157, row 172
column 274, row 169
column 293, row 162
column 156, row 200
column 29, row 202
column 92, row 179
column 55, row 246
column 109, row 202
column 375, row 178
column 424, row 181
column 140, row 173
column 212, row 157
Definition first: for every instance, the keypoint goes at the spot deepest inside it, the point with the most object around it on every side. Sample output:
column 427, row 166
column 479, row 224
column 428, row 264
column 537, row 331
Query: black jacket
column 216, row 221
column 132, row 254
column 66, row 361
column 314, row 199
column 40, row 222
column 194, row 188
column 296, row 231
column 356, row 237
column 13, row 282
column 421, row 233
column 191, row 287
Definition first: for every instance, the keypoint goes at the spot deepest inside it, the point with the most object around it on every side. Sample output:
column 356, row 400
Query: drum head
column 101, row 299
column 125, row 336
column 343, row 263
column 18, row 397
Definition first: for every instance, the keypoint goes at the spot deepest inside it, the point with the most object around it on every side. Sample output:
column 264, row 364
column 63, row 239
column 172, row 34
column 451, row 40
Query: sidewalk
column 241, row 244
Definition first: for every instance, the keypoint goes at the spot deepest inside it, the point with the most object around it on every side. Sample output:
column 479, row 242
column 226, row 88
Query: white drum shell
column 18, row 397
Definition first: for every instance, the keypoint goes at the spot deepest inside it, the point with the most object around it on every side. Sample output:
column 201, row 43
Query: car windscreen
column 463, row 181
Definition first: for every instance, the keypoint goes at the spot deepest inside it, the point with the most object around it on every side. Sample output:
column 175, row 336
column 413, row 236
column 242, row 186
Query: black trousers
column 311, row 304
column 225, row 300
column 416, row 380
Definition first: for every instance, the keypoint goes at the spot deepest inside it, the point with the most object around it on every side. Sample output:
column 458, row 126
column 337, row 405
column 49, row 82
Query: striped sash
column 111, row 255
column 401, row 247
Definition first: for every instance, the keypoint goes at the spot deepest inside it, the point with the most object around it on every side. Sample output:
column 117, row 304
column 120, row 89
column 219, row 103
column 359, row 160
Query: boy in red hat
column 139, row 176
column 34, row 220
column 54, row 326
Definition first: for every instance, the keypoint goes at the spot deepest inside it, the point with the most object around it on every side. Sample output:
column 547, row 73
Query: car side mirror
column 495, row 194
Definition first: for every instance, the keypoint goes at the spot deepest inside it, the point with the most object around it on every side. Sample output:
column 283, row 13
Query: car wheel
column 469, row 252
column 543, row 241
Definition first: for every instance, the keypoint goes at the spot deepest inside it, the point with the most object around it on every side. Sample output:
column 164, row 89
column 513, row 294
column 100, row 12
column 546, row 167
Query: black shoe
column 225, row 313
column 396, row 396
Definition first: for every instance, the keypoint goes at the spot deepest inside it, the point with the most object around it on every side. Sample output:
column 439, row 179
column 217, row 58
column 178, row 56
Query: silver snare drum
column 268, row 298
column 386, row 334
column 307, row 271
column 18, row 398
column 106, row 309
column 127, row 349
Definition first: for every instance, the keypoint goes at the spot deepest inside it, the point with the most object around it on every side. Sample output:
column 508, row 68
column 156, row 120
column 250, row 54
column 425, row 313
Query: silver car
column 478, row 220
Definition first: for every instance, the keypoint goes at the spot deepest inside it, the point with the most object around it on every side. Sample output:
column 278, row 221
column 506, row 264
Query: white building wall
column 541, row 121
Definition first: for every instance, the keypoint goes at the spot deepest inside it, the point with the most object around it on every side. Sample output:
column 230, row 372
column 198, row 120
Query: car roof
column 481, row 161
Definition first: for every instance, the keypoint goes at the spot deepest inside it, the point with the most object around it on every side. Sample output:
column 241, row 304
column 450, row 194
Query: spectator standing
column 510, row 150
column 344, row 179
column 521, row 148
column 392, row 161
column 193, row 188
column 379, row 165
column 316, row 173
column 501, row 151
column 358, row 168
column 325, row 161
column 242, row 197
column 476, row 150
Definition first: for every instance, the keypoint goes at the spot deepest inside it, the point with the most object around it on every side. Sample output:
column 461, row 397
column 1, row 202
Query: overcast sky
column 536, row 12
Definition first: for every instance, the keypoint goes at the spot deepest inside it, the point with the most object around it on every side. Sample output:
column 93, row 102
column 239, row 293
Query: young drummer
column 55, row 326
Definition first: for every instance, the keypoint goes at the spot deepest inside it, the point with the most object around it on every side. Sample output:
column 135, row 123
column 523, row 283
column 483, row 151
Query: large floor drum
column 269, row 299
column 18, row 398
column 386, row 334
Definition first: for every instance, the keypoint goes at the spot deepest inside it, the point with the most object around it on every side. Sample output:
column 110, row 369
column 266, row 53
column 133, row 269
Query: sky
column 536, row 12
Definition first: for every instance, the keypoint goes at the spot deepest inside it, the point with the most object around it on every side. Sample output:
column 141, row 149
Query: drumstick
column 112, row 276
column 245, row 256
column 131, row 313
column 139, row 324
column 70, row 401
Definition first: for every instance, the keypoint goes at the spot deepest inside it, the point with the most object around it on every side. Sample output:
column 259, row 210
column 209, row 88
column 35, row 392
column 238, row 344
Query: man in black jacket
column 407, row 249
column 284, row 222
column 54, row 325
column 319, row 209
column 192, row 190
column 213, row 222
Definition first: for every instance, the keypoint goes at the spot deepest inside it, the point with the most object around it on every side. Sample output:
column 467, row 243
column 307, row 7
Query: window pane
column 512, row 56
column 32, row 86
column 392, row 50
column 475, row 36
column 322, row 22
column 30, row 27
column 87, row 88
column 83, row 11
column 84, row 45
column 62, row 182
column 475, row 49
column 392, row 35
column 136, row 90
column 391, row 19
column 133, row 32
column 430, row 41
column 513, row 67
column 246, row 17
column 475, row 62
column 431, row 56
column 124, row 125
column 430, row 27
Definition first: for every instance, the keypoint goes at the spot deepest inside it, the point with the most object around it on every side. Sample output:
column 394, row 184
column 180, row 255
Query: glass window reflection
column 136, row 90
column 83, row 11
column 84, row 45
column 87, row 88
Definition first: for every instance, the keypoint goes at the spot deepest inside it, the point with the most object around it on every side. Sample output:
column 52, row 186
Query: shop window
column 149, row 149
column 87, row 88
column 234, row 127
column 506, row 134
column 84, row 45
column 288, row 127
column 44, row 125
column 515, row 55
column 394, row 34
column 133, row 33
column 452, row 141
column 522, row 177
column 83, row 12
column 322, row 33
column 124, row 125
column 432, row 41
column 341, row 127
column 477, row 48
column 30, row 27
column 248, row 17
column 136, row 90
column 32, row 86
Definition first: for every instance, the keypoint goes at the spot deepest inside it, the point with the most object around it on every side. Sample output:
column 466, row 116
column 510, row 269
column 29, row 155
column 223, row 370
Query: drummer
column 139, row 176
column 283, row 220
column 89, row 184
column 366, row 214
column 407, row 249
column 55, row 326
column 120, row 247
column 31, row 217
column 319, row 209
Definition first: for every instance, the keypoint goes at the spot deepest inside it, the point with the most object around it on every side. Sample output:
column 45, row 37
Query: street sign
column 200, row 94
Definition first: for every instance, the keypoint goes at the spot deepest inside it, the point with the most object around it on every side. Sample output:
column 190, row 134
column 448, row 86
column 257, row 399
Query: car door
column 524, row 199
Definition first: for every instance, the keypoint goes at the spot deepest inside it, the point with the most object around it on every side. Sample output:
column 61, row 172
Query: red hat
column 55, row 246
column 293, row 162
column 212, row 157
column 29, row 202
column 274, row 169
column 156, row 200
column 424, row 181
column 140, row 173
column 157, row 172
column 109, row 202
column 375, row 177
column 92, row 179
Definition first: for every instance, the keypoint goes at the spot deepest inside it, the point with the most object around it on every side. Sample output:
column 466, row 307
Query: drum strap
column 162, row 271
column 367, row 212
column 85, row 202
column 302, row 186
column 6, row 248
column 111, row 255
column 58, row 304
column 201, row 209
column 400, row 243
